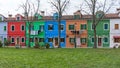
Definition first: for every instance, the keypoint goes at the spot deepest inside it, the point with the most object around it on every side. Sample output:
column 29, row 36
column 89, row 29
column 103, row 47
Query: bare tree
column 93, row 8
column 29, row 9
column 60, row 6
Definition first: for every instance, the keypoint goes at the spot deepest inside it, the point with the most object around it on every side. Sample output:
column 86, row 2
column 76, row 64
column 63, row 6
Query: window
column 105, row 26
column 41, row 28
column 32, row 27
column 0, row 18
column 22, row 27
column 116, row 40
column 4, row 28
column 62, row 39
column 13, row 40
column 116, row 26
column 50, row 39
column 76, row 16
column 83, row 26
column 23, row 39
column 72, row 40
column 41, row 39
column 92, row 40
column 71, row 27
column 92, row 26
column 105, row 40
column 50, row 27
column 83, row 40
column 31, row 40
column 12, row 28
column 18, row 18
column 61, row 27
column 5, row 39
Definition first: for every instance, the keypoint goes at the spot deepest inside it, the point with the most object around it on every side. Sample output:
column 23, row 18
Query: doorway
column 56, row 41
column 99, row 42
column 17, row 41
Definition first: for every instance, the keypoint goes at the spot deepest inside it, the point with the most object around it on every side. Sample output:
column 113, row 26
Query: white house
column 114, row 32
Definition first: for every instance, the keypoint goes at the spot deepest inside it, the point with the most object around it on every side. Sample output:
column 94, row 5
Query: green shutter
column 83, row 40
column 4, row 28
column 72, row 40
column 85, row 26
column 0, row 18
column 92, row 39
column 71, row 27
column 105, row 39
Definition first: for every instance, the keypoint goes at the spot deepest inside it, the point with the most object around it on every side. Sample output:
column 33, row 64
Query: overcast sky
column 11, row 7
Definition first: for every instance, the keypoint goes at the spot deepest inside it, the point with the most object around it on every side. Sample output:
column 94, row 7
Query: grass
column 59, row 58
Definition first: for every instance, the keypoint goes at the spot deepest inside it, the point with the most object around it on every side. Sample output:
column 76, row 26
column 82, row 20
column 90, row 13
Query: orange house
column 76, row 33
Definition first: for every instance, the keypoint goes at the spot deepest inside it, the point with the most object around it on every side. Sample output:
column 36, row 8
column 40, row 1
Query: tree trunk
column 95, row 39
column 29, row 35
column 59, row 22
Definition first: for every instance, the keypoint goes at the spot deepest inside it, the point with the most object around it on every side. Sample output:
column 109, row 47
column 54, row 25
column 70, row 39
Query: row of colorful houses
column 75, row 29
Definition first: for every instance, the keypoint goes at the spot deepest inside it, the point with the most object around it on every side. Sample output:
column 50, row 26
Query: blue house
column 3, row 29
column 51, row 33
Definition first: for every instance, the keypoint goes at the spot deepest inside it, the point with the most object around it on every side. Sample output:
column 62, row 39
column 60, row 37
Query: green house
column 36, row 33
column 102, row 32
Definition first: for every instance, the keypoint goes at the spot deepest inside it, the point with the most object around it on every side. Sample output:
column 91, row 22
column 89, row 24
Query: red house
column 16, row 31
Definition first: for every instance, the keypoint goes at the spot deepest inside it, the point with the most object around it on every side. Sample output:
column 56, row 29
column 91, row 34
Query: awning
column 116, row 36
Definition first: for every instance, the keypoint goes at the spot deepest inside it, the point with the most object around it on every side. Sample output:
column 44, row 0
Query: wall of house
column 101, row 33
column 54, row 33
column 69, row 34
column 17, row 33
column 3, row 32
column 113, row 31
column 34, row 35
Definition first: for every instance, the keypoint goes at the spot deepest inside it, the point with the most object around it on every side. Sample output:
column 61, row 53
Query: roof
column 68, row 17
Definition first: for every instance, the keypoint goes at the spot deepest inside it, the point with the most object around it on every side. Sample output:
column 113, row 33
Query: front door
column 17, row 41
column 78, row 42
column 56, row 41
column 36, row 39
column 99, row 42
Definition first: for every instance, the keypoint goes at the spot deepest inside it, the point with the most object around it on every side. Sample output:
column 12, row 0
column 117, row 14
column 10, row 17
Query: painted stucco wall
column 3, row 33
column 77, row 25
column 36, row 25
column 54, row 33
column 17, row 33
column 114, row 32
column 100, row 32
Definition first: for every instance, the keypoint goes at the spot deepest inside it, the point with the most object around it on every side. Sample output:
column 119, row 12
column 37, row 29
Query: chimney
column 42, row 13
column 118, row 10
column 77, row 12
column 10, row 15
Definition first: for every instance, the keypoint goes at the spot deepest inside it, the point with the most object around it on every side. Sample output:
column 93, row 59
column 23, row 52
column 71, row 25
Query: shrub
column 47, row 45
column 1, row 44
column 37, row 45
column 7, row 42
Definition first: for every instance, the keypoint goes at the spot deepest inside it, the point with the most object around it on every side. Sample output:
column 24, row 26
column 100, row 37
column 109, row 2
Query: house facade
column 16, row 31
column 114, row 32
column 35, row 32
column 102, row 32
column 76, row 33
column 3, row 31
column 51, row 33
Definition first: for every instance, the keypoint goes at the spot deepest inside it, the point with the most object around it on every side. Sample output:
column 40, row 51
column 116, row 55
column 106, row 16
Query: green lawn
column 59, row 58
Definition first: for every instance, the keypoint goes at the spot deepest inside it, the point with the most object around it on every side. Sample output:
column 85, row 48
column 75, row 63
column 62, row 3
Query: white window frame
column 11, row 40
column 22, row 38
column 21, row 27
column 11, row 27
column 104, row 26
